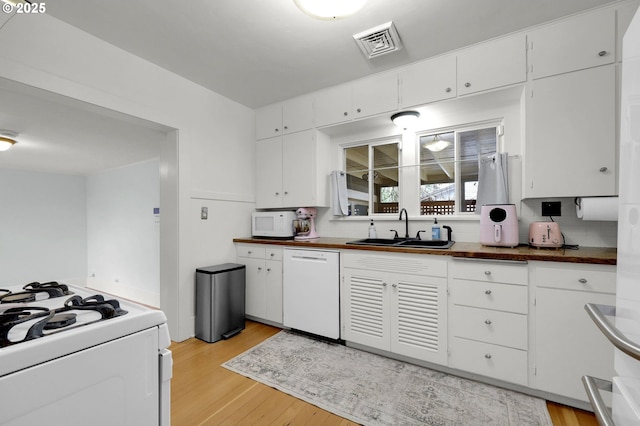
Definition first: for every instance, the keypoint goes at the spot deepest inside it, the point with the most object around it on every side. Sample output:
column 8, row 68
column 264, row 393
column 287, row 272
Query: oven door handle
column 593, row 386
column 597, row 313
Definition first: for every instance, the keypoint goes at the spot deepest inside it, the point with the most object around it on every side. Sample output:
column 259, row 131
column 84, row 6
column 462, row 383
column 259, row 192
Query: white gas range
column 71, row 356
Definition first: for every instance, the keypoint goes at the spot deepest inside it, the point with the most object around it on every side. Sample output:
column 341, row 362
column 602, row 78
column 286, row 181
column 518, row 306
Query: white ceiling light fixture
column 330, row 9
column 405, row 119
column 437, row 144
column 7, row 139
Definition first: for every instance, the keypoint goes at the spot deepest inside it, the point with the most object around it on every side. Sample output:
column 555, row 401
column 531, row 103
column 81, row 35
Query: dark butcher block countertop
column 593, row 255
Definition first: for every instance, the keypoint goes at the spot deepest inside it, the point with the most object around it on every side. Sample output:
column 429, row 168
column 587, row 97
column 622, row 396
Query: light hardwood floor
column 204, row 393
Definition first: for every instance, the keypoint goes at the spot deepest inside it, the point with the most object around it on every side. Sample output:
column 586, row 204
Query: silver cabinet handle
column 394, row 285
column 487, row 292
column 448, row 89
column 277, row 130
column 487, row 272
column 272, row 254
column 488, row 322
column 358, row 110
column 582, row 280
column 268, row 269
column 467, row 84
column 592, row 385
column 619, row 340
column 603, row 169
column 286, row 127
column 259, row 268
column 249, row 252
column 346, row 113
column 487, row 356
column 384, row 284
column 277, row 193
column 602, row 53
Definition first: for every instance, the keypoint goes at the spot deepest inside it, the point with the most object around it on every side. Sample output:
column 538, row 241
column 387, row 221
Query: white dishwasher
column 311, row 291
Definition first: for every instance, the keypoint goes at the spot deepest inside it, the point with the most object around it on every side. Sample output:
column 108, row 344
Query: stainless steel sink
column 412, row 243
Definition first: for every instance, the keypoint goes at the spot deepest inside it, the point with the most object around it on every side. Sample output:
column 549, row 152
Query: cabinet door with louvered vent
column 367, row 308
column 418, row 320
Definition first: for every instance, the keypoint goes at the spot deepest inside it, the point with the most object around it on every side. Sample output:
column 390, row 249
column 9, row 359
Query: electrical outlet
column 204, row 213
column 551, row 208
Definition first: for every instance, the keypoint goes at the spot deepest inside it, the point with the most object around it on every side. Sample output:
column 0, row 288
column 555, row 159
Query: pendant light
column 330, row 9
column 437, row 144
column 405, row 119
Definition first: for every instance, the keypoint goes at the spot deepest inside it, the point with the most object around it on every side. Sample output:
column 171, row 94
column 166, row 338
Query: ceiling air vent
column 378, row 41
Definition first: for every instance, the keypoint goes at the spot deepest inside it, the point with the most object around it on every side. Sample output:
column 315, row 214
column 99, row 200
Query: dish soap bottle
column 372, row 230
column 435, row 231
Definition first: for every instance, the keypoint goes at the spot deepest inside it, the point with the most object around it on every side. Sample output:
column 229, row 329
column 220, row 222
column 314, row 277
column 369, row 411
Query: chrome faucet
column 406, row 222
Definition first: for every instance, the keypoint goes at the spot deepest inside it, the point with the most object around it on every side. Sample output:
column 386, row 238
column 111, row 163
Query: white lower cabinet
column 517, row 322
column 488, row 319
column 263, row 281
column 568, row 345
column 396, row 303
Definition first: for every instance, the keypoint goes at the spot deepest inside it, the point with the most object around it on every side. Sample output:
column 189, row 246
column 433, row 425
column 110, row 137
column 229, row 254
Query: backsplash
column 575, row 231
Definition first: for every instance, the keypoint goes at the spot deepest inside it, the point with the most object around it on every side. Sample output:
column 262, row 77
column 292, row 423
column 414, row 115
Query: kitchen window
column 373, row 179
column 448, row 164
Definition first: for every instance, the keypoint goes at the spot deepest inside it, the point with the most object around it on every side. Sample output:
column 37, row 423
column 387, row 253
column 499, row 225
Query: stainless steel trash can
column 220, row 299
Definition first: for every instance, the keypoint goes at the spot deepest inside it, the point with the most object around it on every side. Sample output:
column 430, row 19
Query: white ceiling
column 62, row 135
column 255, row 52
column 258, row 52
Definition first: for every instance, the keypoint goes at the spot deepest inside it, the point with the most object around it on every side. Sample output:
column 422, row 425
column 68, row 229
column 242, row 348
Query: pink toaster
column 545, row 234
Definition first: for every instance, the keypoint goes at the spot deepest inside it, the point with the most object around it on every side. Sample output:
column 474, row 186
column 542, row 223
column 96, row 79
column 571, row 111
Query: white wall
column 506, row 105
column 213, row 158
column 123, row 233
column 42, row 228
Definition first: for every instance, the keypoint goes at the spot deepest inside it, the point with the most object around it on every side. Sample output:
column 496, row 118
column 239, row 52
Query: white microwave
column 276, row 224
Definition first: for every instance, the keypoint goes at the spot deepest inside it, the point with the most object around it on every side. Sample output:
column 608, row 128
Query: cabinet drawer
column 273, row 253
column 253, row 251
column 492, row 272
column 489, row 360
column 596, row 278
column 503, row 297
column 485, row 325
column 434, row 266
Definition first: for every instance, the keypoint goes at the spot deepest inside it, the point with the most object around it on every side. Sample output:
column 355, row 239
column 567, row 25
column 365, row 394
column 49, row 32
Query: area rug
column 374, row 390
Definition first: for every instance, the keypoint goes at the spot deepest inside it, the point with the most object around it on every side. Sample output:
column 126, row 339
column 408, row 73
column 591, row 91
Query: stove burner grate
column 58, row 320
column 53, row 289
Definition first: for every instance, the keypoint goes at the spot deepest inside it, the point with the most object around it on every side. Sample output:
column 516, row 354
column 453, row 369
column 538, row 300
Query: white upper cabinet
column 333, row 105
column 571, row 150
column 297, row 114
column 291, row 116
column 362, row 98
column 429, row 81
column 269, row 173
column 292, row 170
column 577, row 43
column 375, row 95
column 497, row 63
